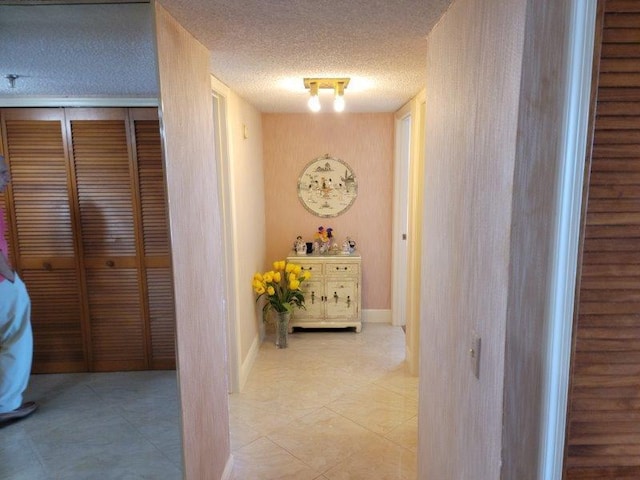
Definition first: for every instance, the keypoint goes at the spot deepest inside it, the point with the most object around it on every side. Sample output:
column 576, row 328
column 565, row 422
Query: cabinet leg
column 358, row 328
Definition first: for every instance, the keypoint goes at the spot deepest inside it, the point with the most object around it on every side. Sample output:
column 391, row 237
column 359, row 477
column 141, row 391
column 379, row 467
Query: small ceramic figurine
column 300, row 246
column 349, row 246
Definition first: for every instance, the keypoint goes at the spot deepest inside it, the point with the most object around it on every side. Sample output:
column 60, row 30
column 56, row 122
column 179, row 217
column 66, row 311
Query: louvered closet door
column 603, row 424
column 105, row 189
column 41, row 222
column 4, row 208
column 155, row 233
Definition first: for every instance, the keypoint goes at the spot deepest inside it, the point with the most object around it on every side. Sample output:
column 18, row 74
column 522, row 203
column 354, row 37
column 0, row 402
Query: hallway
column 334, row 405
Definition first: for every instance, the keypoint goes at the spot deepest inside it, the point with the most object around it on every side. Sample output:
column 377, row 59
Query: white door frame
column 414, row 246
column 219, row 95
column 567, row 227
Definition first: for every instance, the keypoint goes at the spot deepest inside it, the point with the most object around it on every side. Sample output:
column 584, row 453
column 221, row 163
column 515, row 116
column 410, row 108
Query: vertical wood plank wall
column 603, row 429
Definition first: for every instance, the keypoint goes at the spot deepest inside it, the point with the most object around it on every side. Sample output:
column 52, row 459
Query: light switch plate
column 474, row 352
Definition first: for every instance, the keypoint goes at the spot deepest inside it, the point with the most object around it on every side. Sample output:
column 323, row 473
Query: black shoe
column 22, row 411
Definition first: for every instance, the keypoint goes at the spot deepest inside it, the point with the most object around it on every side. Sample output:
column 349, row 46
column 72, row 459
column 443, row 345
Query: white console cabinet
column 332, row 294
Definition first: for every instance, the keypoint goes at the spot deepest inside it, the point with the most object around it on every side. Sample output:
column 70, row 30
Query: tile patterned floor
column 99, row 425
column 334, row 405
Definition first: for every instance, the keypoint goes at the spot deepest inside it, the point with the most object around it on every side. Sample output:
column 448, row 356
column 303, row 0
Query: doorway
column 399, row 242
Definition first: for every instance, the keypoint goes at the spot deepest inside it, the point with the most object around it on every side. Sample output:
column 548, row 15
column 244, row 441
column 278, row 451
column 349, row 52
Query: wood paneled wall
column 603, row 436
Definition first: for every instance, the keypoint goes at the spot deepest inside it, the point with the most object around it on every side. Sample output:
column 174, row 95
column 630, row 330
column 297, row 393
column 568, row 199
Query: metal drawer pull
column 348, row 301
column 313, row 297
column 335, row 296
column 110, row 263
column 47, row 266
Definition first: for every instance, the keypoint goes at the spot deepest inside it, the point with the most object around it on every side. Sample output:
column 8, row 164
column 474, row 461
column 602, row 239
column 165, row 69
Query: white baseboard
column 376, row 316
column 228, row 469
column 248, row 362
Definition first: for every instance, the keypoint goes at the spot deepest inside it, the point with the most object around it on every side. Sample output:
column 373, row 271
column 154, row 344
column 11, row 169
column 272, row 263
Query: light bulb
column 338, row 100
column 314, row 103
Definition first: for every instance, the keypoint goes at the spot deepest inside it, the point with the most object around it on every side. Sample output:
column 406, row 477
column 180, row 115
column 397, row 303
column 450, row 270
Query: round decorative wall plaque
column 327, row 186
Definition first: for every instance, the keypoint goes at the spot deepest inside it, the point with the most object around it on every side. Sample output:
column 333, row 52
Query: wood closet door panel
column 43, row 235
column 58, row 341
column 161, row 318
column 117, row 332
column 5, row 215
column 155, row 234
column 603, row 414
column 103, row 184
column 105, row 196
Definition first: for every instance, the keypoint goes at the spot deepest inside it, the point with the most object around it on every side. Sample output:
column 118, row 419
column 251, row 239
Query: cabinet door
column 313, row 293
column 104, row 187
column 341, row 298
column 42, row 238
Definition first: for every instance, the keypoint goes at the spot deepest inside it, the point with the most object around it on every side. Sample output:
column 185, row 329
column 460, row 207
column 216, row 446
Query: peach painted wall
column 365, row 142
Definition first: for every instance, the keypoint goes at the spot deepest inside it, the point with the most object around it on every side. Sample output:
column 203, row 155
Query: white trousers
column 16, row 343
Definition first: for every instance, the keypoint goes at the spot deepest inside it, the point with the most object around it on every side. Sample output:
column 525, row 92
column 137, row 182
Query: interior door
column 400, row 220
column 104, row 185
column 152, row 199
column 43, row 242
column 88, row 232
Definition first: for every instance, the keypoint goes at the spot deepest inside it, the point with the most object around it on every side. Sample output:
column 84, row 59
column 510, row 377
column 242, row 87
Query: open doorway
column 403, row 127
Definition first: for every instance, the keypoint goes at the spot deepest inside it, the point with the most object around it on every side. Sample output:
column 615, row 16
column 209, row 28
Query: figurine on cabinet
column 300, row 246
column 346, row 249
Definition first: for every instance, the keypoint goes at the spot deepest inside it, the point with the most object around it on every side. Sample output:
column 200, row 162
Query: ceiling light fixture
column 336, row 84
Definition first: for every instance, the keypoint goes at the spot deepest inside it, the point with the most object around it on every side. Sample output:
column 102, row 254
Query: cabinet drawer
column 314, row 268
column 332, row 268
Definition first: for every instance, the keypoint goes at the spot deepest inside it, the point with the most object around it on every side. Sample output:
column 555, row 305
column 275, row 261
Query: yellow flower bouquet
column 281, row 287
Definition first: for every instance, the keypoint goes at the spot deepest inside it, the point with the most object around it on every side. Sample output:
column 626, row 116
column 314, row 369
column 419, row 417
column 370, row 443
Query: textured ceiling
column 79, row 50
column 261, row 49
